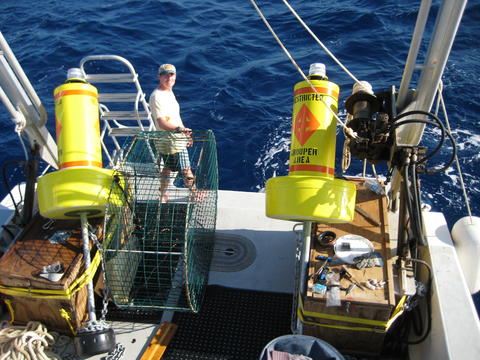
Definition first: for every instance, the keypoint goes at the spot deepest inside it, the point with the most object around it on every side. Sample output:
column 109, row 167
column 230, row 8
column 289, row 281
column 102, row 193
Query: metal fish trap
column 158, row 252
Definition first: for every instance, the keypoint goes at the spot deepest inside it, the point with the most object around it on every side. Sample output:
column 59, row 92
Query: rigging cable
column 457, row 163
column 348, row 130
column 19, row 133
column 7, row 185
column 320, row 43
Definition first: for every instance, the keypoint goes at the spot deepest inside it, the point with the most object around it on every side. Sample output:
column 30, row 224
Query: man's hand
column 188, row 133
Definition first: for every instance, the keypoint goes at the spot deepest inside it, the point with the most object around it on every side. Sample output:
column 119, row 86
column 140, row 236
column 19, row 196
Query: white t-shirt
column 163, row 103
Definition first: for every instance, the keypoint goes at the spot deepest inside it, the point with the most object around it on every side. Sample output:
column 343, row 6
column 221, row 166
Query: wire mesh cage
column 160, row 221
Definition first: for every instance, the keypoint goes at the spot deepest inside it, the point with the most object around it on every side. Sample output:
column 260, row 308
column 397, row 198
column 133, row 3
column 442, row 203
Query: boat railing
column 22, row 102
column 119, row 119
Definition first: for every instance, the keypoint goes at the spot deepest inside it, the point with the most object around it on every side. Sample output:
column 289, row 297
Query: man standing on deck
column 166, row 115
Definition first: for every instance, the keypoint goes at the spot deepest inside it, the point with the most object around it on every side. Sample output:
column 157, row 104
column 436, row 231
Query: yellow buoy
column 80, row 185
column 77, row 124
column 310, row 192
column 65, row 194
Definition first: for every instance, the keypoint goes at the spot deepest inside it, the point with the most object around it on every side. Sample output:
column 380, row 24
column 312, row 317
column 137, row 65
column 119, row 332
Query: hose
column 437, row 124
column 428, row 306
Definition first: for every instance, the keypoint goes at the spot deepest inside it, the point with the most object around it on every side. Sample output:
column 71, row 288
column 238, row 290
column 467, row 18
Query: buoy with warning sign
column 81, row 185
column 310, row 192
column 80, row 188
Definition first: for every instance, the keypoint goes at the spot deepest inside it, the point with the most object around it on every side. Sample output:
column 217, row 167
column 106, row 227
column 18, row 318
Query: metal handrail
column 112, row 123
column 22, row 102
column 22, row 78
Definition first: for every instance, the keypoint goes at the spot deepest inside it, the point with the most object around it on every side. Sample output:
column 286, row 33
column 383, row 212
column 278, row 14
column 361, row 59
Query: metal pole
column 12, row 60
column 86, row 259
column 304, row 259
column 441, row 43
column 446, row 27
column 413, row 52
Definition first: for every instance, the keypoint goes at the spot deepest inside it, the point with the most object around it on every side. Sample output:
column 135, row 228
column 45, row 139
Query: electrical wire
column 427, row 303
column 416, row 204
column 411, row 206
column 438, row 124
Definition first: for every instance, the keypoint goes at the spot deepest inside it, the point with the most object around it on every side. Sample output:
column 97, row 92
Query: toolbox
column 365, row 311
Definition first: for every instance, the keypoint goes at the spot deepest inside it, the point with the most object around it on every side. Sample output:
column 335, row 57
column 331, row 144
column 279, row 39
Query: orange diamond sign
column 305, row 124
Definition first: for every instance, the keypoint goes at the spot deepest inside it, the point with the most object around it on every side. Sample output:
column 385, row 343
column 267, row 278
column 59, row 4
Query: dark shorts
column 172, row 161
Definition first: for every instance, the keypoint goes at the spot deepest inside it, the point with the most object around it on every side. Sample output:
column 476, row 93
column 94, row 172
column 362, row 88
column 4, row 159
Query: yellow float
column 310, row 192
column 80, row 185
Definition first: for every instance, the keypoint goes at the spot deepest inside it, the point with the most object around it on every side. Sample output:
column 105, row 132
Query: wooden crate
column 19, row 268
column 358, row 325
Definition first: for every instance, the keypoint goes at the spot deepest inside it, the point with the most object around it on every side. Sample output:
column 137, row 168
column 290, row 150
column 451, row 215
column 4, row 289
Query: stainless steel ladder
column 117, row 122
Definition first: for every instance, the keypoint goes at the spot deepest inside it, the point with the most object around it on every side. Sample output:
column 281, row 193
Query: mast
column 446, row 26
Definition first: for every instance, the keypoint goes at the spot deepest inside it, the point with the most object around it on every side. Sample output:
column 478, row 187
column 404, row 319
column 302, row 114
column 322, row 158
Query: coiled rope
column 28, row 342
column 347, row 130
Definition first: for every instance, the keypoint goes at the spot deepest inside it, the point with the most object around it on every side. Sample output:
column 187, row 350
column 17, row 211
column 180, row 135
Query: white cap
column 317, row 69
column 75, row 73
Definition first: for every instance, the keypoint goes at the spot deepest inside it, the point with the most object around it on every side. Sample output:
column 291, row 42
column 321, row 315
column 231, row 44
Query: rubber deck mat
column 140, row 316
column 231, row 325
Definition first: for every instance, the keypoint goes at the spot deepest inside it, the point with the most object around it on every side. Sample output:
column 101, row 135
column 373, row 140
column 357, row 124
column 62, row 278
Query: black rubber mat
column 140, row 316
column 231, row 325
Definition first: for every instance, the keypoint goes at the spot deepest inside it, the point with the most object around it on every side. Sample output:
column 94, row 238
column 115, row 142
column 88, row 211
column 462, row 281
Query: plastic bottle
column 374, row 186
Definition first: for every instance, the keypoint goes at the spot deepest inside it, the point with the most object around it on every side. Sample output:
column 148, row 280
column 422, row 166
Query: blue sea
column 234, row 79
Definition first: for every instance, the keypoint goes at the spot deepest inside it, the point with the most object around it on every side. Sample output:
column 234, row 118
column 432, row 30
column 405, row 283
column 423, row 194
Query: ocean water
column 234, row 79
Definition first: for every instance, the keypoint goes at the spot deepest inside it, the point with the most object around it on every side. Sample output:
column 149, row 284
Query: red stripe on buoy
column 75, row 92
column 80, row 163
column 310, row 167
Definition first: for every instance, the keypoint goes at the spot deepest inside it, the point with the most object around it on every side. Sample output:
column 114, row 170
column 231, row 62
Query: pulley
column 369, row 117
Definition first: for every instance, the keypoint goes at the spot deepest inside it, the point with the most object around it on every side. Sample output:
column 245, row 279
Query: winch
column 370, row 115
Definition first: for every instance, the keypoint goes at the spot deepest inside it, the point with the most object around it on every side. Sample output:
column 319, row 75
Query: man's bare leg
column 164, row 182
column 188, row 178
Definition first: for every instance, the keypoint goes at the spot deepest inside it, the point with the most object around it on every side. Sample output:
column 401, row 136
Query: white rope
column 20, row 122
column 320, row 43
column 23, row 145
column 457, row 163
column 347, row 130
column 26, row 343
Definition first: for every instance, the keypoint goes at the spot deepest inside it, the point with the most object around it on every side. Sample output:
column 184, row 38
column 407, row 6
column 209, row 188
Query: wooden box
column 32, row 297
column 358, row 326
